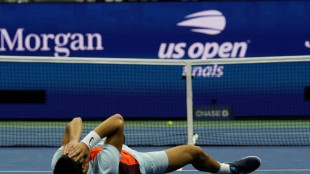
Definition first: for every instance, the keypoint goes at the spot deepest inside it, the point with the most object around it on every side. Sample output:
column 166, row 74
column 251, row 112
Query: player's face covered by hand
column 82, row 157
column 85, row 164
column 79, row 152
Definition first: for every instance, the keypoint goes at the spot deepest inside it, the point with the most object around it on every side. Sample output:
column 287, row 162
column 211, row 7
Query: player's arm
column 72, row 134
column 112, row 128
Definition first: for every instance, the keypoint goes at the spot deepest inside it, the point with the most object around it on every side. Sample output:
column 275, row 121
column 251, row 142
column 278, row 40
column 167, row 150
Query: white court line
column 267, row 170
column 26, row 171
column 285, row 170
column 179, row 170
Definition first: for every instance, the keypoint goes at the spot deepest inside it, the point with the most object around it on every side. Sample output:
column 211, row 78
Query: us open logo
column 211, row 22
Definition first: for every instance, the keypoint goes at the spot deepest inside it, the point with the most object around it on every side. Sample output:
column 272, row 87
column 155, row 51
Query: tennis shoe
column 245, row 165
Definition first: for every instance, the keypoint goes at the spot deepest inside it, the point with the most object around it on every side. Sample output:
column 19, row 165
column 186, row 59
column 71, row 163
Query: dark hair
column 66, row 165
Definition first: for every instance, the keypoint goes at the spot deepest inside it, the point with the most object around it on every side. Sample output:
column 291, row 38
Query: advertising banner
column 170, row 30
column 167, row 30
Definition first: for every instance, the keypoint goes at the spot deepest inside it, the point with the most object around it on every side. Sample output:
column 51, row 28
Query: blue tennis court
column 275, row 160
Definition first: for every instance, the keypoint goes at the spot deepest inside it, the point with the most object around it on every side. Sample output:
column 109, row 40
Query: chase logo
column 211, row 22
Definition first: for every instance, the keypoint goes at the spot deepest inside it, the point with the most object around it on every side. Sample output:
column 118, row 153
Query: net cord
column 135, row 61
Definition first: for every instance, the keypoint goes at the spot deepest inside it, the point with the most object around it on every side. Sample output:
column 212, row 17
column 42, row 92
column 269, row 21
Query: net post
column 189, row 103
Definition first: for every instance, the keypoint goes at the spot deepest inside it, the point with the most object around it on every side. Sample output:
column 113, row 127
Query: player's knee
column 198, row 150
column 195, row 151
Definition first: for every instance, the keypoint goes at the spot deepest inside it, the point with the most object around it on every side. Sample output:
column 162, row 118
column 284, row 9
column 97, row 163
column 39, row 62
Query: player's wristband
column 91, row 139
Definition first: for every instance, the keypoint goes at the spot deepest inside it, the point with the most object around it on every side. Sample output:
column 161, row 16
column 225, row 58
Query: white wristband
column 91, row 139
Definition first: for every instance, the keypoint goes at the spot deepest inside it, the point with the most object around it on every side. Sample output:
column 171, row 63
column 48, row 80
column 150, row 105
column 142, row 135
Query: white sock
column 224, row 169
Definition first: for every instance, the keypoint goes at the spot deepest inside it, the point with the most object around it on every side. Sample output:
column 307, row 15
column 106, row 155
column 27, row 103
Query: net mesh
column 233, row 104
column 253, row 104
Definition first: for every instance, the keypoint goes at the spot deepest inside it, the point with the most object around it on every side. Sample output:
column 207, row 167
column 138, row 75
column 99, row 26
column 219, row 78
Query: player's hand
column 79, row 153
column 85, row 163
column 69, row 147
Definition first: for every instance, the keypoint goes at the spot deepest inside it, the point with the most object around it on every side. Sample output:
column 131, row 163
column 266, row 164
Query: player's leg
column 189, row 154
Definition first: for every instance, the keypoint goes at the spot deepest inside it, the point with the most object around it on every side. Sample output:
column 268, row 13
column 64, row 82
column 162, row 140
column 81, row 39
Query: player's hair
column 66, row 165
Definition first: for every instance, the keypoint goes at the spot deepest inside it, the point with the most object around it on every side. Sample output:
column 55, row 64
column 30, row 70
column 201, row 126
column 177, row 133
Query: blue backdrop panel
column 170, row 30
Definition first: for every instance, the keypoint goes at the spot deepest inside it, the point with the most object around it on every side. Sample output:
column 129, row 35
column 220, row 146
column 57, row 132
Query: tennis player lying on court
column 102, row 151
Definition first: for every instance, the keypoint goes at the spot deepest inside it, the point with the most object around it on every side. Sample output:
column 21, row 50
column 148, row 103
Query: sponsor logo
column 209, row 22
column 200, row 50
column 205, row 71
column 213, row 113
column 91, row 139
column 61, row 43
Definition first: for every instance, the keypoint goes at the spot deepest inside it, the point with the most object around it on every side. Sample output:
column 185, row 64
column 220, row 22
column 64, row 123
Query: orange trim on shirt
column 94, row 152
column 127, row 158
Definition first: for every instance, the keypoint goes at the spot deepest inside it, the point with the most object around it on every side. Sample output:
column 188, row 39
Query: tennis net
column 248, row 101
